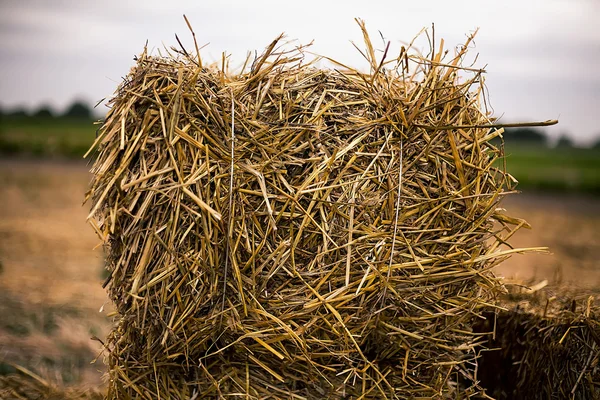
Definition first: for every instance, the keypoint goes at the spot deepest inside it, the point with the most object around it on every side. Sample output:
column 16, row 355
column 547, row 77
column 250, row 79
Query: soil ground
column 50, row 273
column 569, row 225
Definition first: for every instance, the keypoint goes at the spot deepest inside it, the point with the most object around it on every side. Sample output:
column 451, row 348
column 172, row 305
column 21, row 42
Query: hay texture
column 295, row 232
column 542, row 355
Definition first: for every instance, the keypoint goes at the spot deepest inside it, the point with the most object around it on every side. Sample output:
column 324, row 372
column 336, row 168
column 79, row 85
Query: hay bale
column 542, row 357
column 296, row 232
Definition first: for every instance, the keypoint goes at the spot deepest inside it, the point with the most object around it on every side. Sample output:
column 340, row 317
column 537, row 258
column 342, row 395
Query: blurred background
column 61, row 58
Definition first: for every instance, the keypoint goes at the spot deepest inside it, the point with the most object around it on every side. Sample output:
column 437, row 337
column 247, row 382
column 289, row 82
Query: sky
column 541, row 56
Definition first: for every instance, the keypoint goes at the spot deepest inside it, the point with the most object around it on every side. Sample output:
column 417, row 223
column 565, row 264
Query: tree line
column 538, row 137
column 77, row 110
column 533, row 136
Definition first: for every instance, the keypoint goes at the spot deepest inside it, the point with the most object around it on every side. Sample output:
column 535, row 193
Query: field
column 569, row 225
column 51, row 268
column 48, row 137
column 51, row 272
column 554, row 169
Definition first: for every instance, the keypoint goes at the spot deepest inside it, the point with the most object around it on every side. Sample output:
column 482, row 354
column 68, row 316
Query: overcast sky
column 542, row 56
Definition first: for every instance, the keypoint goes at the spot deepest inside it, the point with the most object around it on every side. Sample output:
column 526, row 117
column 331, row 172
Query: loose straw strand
column 231, row 166
column 389, row 271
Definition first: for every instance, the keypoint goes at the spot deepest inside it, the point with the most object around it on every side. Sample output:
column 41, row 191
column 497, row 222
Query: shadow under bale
column 531, row 357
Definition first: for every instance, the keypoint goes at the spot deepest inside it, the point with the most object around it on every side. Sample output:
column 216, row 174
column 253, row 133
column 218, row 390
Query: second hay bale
column 542, row 349
column 337, row 246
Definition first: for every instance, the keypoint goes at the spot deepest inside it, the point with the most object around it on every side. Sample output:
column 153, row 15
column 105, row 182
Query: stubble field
column 51, row 267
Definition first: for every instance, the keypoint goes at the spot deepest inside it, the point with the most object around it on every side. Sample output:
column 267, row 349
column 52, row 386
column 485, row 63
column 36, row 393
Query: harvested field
column 569, row 225
column 36, row 195
column 50, row 276
column 45, row 246
column 62, row 274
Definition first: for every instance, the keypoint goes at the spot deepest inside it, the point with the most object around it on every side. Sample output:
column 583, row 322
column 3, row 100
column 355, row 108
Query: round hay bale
column 296, row 232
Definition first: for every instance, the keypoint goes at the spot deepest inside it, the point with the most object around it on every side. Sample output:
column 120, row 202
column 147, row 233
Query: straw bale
column 298, row 232
column 542, row 355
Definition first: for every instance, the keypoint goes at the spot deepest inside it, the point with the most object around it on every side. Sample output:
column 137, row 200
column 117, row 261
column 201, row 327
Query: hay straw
column 24, row 384
column 542, row 357
column 261, row 244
